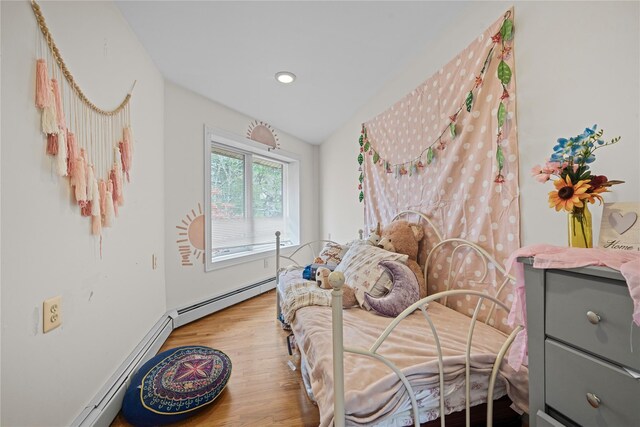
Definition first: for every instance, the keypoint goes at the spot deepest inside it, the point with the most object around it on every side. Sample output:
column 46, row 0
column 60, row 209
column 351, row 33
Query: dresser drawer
column 544, row 420
column 569, row 297
column 570, row 375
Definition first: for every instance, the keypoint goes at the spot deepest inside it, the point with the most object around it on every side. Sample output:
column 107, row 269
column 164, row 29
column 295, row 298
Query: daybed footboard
column 337, row 281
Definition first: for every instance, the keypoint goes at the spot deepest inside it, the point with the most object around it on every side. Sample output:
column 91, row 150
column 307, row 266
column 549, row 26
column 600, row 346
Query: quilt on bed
column 372, row 391
column 296, row 293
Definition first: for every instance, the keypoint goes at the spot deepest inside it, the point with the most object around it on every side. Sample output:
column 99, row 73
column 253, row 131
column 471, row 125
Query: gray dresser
column 579, row 323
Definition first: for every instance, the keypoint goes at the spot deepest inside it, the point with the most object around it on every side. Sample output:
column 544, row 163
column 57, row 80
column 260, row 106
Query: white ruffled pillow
column 362, row 272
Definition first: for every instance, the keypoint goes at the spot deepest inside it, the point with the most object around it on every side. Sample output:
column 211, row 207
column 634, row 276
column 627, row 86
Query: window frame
column 291, row 200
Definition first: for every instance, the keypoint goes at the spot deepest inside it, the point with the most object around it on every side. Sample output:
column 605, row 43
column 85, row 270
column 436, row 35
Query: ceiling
column 342, row 52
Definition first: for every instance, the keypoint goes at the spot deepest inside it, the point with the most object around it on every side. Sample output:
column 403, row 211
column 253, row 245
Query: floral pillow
column 362, row 272
column 332, row 253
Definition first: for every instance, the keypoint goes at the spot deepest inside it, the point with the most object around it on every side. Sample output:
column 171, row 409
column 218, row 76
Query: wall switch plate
column 51, row 314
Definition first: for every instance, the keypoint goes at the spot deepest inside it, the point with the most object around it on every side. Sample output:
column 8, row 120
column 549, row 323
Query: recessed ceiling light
column 285, row 77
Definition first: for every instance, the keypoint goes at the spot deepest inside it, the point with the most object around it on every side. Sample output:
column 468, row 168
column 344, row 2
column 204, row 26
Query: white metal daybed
column 392, row 370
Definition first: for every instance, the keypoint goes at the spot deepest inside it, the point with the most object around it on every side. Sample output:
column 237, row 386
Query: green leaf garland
column 360, row 159
column 502, row 114
column 500, row 158
column 506, row 31
column 361, row 197
column 452, row 129
column 376, row 157
column 429, row 155
column 469, row 101
column 504, row 72
column 367, row 146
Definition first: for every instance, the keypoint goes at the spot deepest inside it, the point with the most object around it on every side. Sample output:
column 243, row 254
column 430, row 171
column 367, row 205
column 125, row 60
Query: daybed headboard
column 456, row 263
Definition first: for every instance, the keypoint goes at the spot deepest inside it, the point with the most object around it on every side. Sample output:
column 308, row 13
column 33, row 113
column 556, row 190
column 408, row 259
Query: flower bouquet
column 575, row 185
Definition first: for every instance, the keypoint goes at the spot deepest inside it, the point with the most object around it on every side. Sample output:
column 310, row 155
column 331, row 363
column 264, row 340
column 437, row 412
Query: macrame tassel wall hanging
column 90, row 146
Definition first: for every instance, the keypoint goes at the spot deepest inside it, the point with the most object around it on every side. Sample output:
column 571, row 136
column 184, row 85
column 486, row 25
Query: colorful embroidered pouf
column 175, row 383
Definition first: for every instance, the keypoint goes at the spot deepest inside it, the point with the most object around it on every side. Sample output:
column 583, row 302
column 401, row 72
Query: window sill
column 243, row 258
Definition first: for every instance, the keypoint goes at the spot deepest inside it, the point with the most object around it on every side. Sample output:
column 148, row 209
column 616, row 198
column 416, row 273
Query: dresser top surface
column 591, row 270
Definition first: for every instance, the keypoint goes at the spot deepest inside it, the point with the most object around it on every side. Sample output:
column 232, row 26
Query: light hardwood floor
column 262, row 390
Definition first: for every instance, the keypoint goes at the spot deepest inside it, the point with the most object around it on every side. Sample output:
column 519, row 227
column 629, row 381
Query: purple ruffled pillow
column 403, row 293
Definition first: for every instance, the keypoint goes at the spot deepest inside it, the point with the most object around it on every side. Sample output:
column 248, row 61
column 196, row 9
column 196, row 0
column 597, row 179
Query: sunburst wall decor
column 191, row 237
column 262, row 132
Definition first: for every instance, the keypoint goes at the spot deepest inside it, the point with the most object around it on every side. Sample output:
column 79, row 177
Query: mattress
column 373, row 393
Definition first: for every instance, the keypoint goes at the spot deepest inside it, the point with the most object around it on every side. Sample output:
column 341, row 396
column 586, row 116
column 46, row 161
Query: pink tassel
column 125, row 156
column 102, row 189
column 120, row 178
column 85, row 207
column 96, row 203
column 61, row 158
column 62, row 124
column 115, row 193
column 110, row 209
column 42, row 84
column 79, row 178
column 90, row 179
column 52, row 144
column 49, row 118
column 72, row 153
column 96, row 225
column 117, row 157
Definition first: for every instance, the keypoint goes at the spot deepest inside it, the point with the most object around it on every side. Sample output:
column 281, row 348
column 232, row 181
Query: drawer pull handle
column 593, row 317
column 593, row 400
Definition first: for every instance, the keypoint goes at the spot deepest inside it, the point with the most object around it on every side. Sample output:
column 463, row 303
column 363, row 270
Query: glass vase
column 580, row 228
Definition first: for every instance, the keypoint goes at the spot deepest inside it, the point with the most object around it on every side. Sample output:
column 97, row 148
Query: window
column 252, row 194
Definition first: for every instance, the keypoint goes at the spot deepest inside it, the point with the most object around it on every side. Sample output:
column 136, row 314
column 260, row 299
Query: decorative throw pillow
column 175, row 383
column 362, row 272
column 403, row 293
column 331, row 253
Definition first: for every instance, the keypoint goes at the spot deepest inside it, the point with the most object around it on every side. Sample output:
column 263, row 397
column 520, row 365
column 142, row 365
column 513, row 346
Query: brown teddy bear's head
column 402, row 237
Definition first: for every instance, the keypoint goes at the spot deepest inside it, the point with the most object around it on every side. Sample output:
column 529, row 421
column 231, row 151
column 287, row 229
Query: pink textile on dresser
column 549, row 256
column 457, row 190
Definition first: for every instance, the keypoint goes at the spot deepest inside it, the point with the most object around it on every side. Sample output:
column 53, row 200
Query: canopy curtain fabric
column 460, row 183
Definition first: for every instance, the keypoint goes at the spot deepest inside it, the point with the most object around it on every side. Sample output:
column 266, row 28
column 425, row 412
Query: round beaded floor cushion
column 174, row 383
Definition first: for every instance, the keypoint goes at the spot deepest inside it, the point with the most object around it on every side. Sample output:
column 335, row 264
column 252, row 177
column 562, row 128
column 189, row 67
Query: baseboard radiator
column 204, row 308
column 104, row 407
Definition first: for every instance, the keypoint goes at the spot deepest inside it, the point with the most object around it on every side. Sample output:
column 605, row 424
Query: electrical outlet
column 51, row 313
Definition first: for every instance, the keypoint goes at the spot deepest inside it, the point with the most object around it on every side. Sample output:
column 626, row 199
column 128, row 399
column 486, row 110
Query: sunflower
column 568, row 195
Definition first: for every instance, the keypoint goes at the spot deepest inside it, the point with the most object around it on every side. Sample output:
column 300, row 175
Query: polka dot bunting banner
column 449, row 149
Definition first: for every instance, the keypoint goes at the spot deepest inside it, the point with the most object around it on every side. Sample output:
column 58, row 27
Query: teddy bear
column 348, row 293
column 404, row 237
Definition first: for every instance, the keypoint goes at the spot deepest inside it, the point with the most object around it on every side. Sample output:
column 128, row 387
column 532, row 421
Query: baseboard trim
column 106, row 404
column 199, row 310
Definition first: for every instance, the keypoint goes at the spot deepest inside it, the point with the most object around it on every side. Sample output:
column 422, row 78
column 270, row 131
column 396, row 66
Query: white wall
column 108, row 305
column 577, row 63
column 186, row 113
